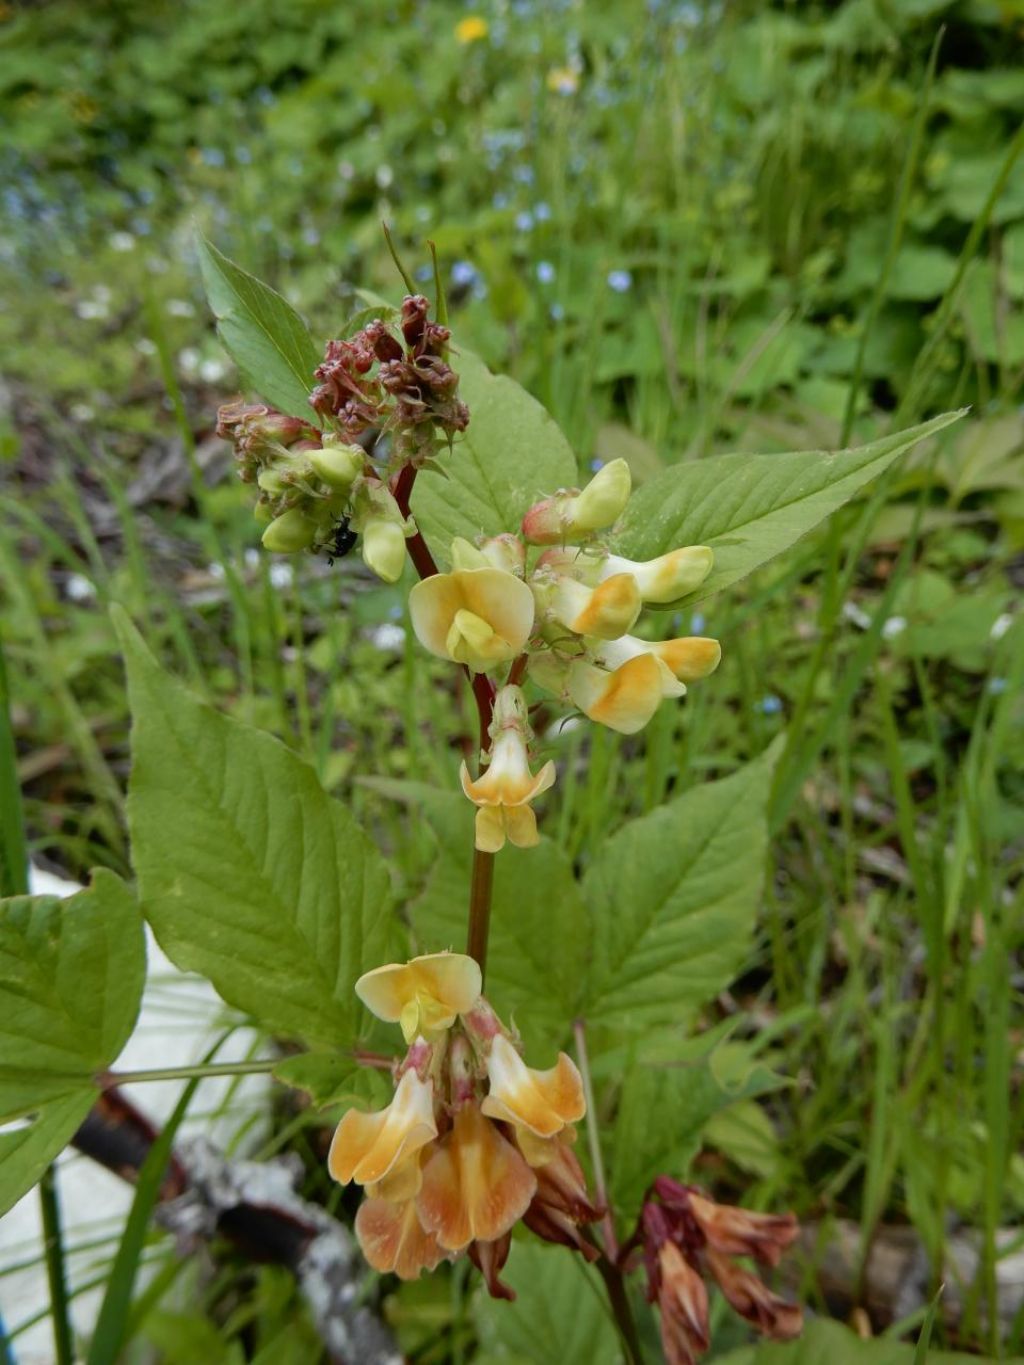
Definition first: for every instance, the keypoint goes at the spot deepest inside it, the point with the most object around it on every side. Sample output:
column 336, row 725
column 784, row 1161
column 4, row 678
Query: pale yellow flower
column 425, row 995
column 477, row 617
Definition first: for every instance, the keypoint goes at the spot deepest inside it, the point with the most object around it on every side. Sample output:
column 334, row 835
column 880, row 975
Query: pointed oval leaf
column 261, row 332
column 511, row 454
column 249, row 873
column 672, row 899
column 71, row 977
column 749, row 508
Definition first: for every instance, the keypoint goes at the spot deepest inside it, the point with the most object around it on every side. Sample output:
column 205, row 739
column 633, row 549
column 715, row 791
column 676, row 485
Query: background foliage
column 691, row 230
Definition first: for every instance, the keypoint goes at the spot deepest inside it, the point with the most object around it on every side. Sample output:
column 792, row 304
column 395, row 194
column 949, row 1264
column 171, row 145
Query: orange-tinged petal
column 612, row 609
column 476, row 1185
column 393, row 1239
column 542, row 1101
column 624, row 700
column 439, row 985
column 690, row 657
column 366, row 1147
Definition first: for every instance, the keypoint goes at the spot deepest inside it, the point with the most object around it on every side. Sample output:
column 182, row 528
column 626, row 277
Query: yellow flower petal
column 439, row 985
column 624, row 700
column 690, row 657
column 479, row 617
column 489, row 830
column 393, row 1239
column 366, row 1147
column 542, row 1101
column 476, row 1185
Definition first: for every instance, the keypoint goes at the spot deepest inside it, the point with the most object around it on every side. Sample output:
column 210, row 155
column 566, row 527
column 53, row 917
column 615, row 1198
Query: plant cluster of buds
column 564, row 620
column 474, row 1139
column 405, row 389
column 319, row 489
column 684, row 1237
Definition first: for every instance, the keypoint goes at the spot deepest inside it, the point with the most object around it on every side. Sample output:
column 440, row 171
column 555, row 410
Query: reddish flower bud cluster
column 684, row 1237
column 412, row 390
column 260, row 434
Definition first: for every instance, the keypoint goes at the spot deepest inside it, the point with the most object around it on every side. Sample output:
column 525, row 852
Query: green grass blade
column 117, row 1301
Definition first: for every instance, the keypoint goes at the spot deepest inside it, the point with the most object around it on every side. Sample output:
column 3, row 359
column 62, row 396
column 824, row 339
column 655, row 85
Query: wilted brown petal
column 753, row 1300
column 683, row 1305
column 489, row 1258
column 740, row 1232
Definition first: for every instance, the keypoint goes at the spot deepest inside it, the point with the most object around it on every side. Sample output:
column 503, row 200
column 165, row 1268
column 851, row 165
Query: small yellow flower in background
column 477, row 617
column 503, row 793
column 563, row 80
column 472, row 29
column 425, row 995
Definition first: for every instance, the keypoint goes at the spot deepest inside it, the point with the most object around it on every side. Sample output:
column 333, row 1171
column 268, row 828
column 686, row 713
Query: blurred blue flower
column 620, row 280
column 545, row 272
column 697, row 622
column 463, row 273
column 542, row 211
column 524, row 221
column 769, row 705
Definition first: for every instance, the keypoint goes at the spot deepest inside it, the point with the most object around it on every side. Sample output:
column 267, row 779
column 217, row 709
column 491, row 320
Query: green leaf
column 537, row 942
column 26, row 1149
column 749, row 508
column 829, row 1343
column 71, row 976
column 262, row 333
column 249, row 873
column 511, row 454
column 684, row 1094
column 671, row 901
column 559, row 1315
column 330, row 1079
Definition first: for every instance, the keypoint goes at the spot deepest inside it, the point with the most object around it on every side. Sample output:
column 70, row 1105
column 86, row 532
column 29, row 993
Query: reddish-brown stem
column 480, row 907
column 373, row 1059
column 483, row 693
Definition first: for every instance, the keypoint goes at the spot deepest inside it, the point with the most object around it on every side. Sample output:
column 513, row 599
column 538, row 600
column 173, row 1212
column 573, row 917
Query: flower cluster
column 563, row 618
column 321, row 490
column 683, row 1237
column 404, row 389
column 474, row 1139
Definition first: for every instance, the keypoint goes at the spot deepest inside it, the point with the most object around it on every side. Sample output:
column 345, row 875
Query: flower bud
column 337, row 464
column 383, row 548
column 570, row 515
column 289, row 533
